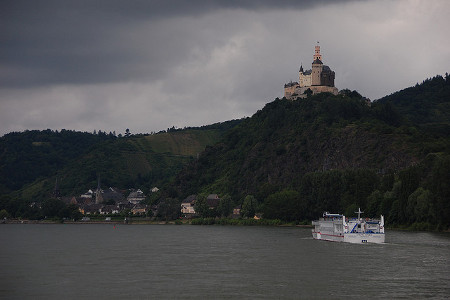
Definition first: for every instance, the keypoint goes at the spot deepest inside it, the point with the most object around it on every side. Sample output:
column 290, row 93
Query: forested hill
column 27, row 156
column 291, row 160
column 31, row 161
column 425, row 105
column 335, row 153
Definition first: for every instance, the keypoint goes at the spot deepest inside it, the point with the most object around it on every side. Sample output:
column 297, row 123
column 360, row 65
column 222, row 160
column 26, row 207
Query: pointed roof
column 190, row 199
column 301, row 68
column 317, row 61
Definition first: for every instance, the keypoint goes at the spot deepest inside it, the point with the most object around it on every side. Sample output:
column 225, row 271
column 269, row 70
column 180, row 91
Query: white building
column 136, row 197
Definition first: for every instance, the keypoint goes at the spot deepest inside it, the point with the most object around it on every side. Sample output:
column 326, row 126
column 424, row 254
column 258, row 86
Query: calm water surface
column 168, row 261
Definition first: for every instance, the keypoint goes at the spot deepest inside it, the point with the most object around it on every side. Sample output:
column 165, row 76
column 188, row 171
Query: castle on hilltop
column 319, row 79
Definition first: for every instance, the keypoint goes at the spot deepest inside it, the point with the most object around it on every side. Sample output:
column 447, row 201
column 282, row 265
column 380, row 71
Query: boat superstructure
column 338, row 228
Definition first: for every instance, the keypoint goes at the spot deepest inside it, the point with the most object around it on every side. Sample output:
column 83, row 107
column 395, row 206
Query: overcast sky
column 149, row 65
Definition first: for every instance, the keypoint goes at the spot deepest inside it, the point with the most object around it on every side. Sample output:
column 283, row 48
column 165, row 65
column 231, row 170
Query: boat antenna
column 359, row 212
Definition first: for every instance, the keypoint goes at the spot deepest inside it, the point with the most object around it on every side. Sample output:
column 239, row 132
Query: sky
column 110, row 65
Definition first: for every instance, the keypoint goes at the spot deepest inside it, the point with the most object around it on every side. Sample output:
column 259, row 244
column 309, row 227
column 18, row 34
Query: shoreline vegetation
column 209, row 221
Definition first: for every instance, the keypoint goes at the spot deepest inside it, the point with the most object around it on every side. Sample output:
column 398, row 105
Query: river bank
column 146, row 221
column 209, row 221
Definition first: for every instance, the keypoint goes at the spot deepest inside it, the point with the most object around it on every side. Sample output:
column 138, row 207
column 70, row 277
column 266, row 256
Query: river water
column 215, row 262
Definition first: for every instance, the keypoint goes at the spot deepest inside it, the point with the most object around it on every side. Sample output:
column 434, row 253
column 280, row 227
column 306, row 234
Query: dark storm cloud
column 54, row 42
column 150, row 65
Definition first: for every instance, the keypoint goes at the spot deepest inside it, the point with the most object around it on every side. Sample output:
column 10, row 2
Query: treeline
column 423, row 103
column 26, row 156
column 50, row 209
column 417, row 196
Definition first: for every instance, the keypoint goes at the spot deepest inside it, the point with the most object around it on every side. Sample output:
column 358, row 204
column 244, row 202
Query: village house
column 90, row 209
column 139, row 209
column 212, row 201
column 112, row 194
column 187, row 205
column 236, row 212
column 124, row 204
column 136, row 197
column 88, row 194
column 109, row 210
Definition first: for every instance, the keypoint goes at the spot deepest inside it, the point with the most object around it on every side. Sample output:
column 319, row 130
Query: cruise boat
column 338, row 228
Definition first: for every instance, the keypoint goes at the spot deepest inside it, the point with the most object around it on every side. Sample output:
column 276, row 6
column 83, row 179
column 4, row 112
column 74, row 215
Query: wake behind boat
column 338, row 228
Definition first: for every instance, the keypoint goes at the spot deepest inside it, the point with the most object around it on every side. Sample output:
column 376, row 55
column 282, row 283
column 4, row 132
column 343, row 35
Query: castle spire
column 98, row 193
column 98, row 183
column 317, row 54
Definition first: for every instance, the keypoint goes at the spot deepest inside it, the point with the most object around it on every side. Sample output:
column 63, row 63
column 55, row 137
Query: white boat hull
column 354, row 238
column 328, row 237
column 362, row 238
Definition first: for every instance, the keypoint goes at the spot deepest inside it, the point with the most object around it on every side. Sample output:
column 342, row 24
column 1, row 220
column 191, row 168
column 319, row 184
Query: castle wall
column 305, row 80
column 289, row 90
column 327, row 78
column 299, row 92
column 324, row 89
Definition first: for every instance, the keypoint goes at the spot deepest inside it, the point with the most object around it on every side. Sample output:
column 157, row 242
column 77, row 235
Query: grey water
column 215, row 262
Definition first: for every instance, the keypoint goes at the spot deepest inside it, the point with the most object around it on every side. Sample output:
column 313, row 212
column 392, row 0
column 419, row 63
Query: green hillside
column 31, row 161
column 138, row 161
column 186, row 143
column 27, row 156
column 426, row 104
column 335, row 153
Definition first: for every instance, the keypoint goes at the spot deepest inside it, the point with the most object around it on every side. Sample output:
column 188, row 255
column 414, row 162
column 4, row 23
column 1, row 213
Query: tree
column 308, row 92
column 127, row 132
column 249, row 207
column 201, row 208
column 169, row 209
column 440, row 187
column 284, row 205
column 3, row 214
column 225, row 207
column 52, row 208
column 75, row 213
column 418, row 207
column 374, row 202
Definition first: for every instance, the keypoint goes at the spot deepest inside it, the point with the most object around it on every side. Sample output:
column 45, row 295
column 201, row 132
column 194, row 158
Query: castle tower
column 300, row 76
column 317, row 54
column 316, row 74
